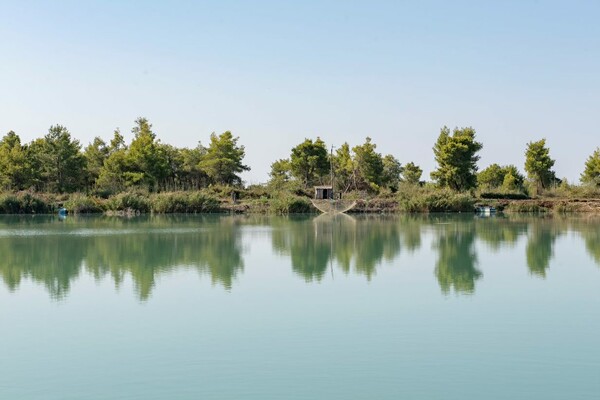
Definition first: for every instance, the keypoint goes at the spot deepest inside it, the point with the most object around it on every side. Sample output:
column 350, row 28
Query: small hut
column 323, row 192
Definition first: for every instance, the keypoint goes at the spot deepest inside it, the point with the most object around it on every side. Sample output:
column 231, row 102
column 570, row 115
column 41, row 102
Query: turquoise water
column 224, row 307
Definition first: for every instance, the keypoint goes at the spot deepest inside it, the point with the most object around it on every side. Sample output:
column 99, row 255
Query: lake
column 306, row 307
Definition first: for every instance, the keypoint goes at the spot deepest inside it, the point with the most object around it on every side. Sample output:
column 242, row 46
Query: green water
column 426, row 307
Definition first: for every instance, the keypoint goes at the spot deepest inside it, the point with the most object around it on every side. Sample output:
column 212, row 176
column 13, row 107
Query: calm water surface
column 426, row 307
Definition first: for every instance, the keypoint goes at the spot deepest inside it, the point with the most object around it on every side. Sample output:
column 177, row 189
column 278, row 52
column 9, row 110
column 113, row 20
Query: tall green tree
column 369, row 165
column 343, row 168
column 392, row 172
column 223, row 159
column 591, row 173
column 538, row 164
column 412, row 173
column 117, row 142
column 61, row 161
column 309, row 161
column 193, row 177
column 280, row 174
column 95, row 154
column 13, row 163
column 146, row 158
column 456, row 156
column 111, row 178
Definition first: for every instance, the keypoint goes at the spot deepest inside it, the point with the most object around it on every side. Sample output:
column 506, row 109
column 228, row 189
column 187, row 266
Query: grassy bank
column 409, row 199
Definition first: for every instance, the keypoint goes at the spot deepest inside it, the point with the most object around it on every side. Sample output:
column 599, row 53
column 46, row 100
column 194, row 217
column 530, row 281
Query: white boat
column 485, row 210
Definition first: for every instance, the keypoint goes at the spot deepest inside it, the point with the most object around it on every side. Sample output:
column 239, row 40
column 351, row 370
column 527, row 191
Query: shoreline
column 132, row 203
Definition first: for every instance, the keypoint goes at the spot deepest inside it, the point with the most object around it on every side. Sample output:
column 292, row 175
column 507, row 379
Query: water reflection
column 455, row 267
column 540, row 244
column 55, row 253
column 590, row 233
column 356, row 245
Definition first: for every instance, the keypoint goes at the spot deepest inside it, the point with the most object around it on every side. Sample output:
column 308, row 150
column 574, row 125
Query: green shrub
column 566, row 190
column 505, row 196
column 425, row 199
column 255, row 192
column 25, row 203
column 129, row 201
column 82, row 204
column 288, row 204
column 184, row 202
column 525, row 207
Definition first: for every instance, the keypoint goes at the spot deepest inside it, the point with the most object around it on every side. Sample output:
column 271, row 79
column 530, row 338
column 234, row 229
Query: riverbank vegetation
column 147, row 175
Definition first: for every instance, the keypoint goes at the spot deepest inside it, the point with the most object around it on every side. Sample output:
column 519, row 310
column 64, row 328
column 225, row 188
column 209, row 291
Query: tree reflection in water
column 116, row 247
column 455, row 267
column 54, row 253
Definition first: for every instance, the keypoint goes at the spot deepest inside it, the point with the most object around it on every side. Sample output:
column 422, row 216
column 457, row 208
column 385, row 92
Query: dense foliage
column 456, row 157
column 147, row 175
column 57, row 164
column 506, row 178
column 591, row 174
column 361, row 168
column 538, row 164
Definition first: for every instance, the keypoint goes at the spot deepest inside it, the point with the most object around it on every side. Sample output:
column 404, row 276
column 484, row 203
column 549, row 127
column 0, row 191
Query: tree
column 369, row 165
column 192, row 176
column 280, row 173
column 61, row 161
column 495, row 176
column 34, row 154
column 538, row 164
column 111, row 178
column 146, row 158
column 309, row 161
column 392, row 172
column 343, row 168
column 591, row 174
column 223, row 160
column 456, row 156
column 13, row 163
column 412, row 173
column 95, row 154
column 513, row 179
column 117, row 143
column 491, row 177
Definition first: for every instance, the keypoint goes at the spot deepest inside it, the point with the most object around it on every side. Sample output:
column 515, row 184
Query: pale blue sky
column 275, row 72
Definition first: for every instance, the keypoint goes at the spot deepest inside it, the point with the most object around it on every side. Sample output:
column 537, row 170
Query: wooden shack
column 323, row 192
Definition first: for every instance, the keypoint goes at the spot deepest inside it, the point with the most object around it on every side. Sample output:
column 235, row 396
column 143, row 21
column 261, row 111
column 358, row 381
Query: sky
column 277, row 72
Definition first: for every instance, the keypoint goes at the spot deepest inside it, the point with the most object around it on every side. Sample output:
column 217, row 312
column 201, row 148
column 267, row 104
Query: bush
column 504, row 196
column 424, row 199
column 567, row 190
column 287, row 204
column 25, row 203
column 255, row 192
column 81, row 204
column 129, row 201
column 184, row 202
column 528, row 207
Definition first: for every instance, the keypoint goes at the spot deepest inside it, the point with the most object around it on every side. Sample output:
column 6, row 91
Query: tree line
column 456, row 154
column 57, row 163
